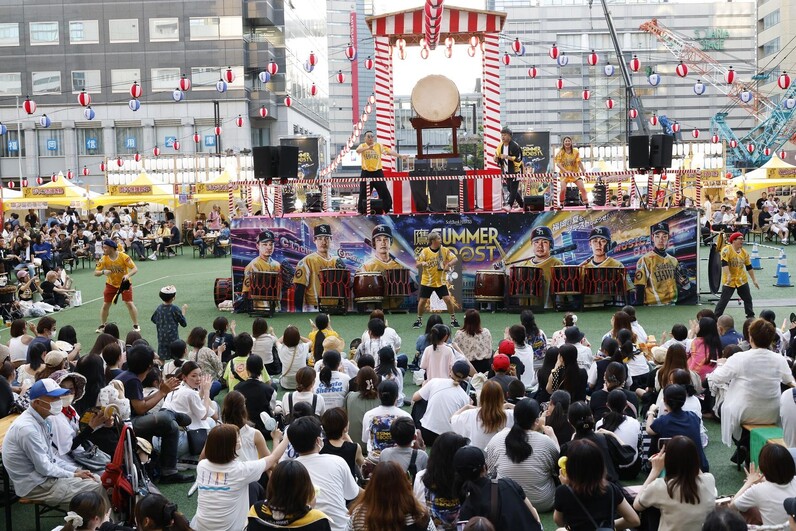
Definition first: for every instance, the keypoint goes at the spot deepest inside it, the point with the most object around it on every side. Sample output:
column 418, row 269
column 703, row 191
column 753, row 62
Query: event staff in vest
column 656, row 271
column 371, row 152
column 509, row 156
column 735, row 266
column 307, row 280
column 435, row 260
column 263, row 263
column 568, row 162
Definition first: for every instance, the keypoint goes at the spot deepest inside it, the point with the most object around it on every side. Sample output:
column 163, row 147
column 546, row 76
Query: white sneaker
column 100, row 329
column 136, row 328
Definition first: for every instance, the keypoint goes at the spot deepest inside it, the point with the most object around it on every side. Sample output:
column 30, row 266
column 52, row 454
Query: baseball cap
column 734, row 236
column 501, row 362
column 506, row 347
column 381, row 230
column 110, row 243
column 600, row 232
column 265, row 236
column 468, row 458
column 46, row 387
column 542, row 232
column 54, row 358
column 660, row 227
column 461, row 369
column 322, row 230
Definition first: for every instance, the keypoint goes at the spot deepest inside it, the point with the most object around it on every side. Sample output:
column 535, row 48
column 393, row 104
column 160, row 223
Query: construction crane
column 775, row 122
column 634, row 102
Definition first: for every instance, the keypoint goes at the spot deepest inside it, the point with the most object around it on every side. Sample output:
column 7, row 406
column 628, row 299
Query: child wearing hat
column 166, row 318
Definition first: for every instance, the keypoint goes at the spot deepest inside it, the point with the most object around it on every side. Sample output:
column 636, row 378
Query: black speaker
column 639, row 148
column 288, row 202
column 661, row 151
column 599, row 193
column 288, row 162
column 313, row 202
column 572, row 197
column 266, row 162
column 533, row 203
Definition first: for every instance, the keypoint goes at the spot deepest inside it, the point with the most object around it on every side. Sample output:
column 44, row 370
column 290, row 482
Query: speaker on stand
column 639, row 152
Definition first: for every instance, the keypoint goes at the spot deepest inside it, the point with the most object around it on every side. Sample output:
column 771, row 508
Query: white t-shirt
column 525, row 355
column 292, row 358
column 302, row 396
column 248, row 450
column 332, row 477
column 628, row 433
column 467, row 424
column 445, row 397
column 264, row 347
column 349, row 366
column 641, row 334
column 376, row 424
column 333, row 394
column 768, row 497
column 390, row 337
column 187, row 400
column 223, row 503
column 787, row 410
column 19, row 350
column 585, row 356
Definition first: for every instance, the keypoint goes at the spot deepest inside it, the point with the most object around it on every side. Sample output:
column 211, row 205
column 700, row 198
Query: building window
column 123, row 30
column 206, row 77
column 84, row 32
column 9, row 34
column 11, row 84
column 213, row 28
column 51, row 142
column 43, row 33
column 771, row 47
column 46, row 82
column 165, row 136
column 164, row 29
column 771, row 20
column 89, row 141
column 10, row 145
column 128, row 139
column 165, row 79
column 90, row 80
column 122, row 80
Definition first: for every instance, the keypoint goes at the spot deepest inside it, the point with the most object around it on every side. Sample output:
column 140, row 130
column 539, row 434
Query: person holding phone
column 677, row 421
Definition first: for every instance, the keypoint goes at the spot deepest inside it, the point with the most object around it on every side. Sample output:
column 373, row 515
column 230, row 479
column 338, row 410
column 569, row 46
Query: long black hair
column 709, row 332
column 321, row 323
column 581, row 418
column 548, row 364
column 625, row 339
column 528, row 320
column 572, row 378
column 615, row 416
column 526, row 413
column 92, row 368
column 331, row 362
column 440, row 473
column 433, row 320
column 439, row 333
column 386, row 367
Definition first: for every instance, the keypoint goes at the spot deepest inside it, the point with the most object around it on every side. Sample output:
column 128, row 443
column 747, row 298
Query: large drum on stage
column 526, row 281
column 490, row 286
column 399, row 284
column 566, row 280
column 222, row 290
column 368, row 287
column 265, row 285
column 435, row 98
column 604, row 281
column 335, row 283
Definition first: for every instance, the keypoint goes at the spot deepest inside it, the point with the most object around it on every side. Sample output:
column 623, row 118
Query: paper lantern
column 45, row 121
column 733, row 143
column 559, row 83
column 750, row 147
column 506, row 59
column 654, row 79
column 177, row 95
column 368, row 108
column 217, row 130
column 23, row 183
column 471, row 51
column 197, row 138
column 340, row 76
column 592, row 59
column 228, row 75
column 102, row 166
column 84, row 98
column 745, row 95
column 156, row 151
column 783, row 81
column 137, row 156
column 368, row 63
column 715, row 139
column 88, row 113
column 609, row 103
column 562, row 60
column 185, row 83
column 3, row 129
column 350, row 52
column 136, row 90
column 308, row 67
column 312, row 59
column 85, row 171
column 70, row 175
column 134, row 104
column 553, row 53
column 29, row 105
column 264, row 76
column 635, row 64
column 728, row 175
column 783, row 154
column 263, row 112
column 516, row 47
column 654, row 119
column 633, row 114
column 40, row 180
column 767, row 151
column 681, row 70
column 699, row 88
column 119, row 162
column 372, row 98
column 474, row 41
column 402, row 54
column 789, row 103
column 11, row 185
column 533, row 72
column 288, row 101
column 729, row 76
column 608, row 69
column 676, row 127
column 448, row 53
column 176, row 145
column 424, row 53
column 695, row 133
column 221, row 86
column 400, row 42
column 272, row 68
column 586, row 94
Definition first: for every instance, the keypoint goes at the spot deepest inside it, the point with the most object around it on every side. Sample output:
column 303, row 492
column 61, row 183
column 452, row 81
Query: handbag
column 587, row 513
column 90, row 457
column 197, row 440
column 77, row 298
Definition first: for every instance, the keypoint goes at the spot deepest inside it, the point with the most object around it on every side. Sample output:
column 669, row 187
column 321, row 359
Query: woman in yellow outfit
column 321, row 329
column 568, row 162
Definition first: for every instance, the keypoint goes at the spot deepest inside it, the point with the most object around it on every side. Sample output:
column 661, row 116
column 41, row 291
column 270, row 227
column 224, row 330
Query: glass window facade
column 128, row 139
column 84, row 32
column 123, row 30
column 164, row 29
column 11, row 84
column 43, row 33
column 11, row 146
column 121, row 80
column 51, row 142
column 46, row 82
column 9, row 34
column 90, row 80
column 214, row 28
column 89, row 141
column 771, row 47
column 164, row 79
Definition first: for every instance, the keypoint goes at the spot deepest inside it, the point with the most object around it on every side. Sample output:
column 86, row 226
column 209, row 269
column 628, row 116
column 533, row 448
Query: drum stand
column 262, row 307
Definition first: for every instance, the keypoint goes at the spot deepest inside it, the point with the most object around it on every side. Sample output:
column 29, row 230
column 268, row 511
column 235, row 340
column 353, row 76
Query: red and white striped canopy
column 455, row 21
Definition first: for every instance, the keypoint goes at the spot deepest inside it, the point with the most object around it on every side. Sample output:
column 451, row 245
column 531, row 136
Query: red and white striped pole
column 678, row 189
column 385, row 123
column 249, row 200
column 491, row 101
column 698, row 186
column 554, row 187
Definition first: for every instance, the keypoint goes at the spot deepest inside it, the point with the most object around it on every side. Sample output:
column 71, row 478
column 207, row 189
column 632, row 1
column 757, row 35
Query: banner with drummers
column 546, row 260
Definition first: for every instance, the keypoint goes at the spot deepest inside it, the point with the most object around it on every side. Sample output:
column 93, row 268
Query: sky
column 461, row 68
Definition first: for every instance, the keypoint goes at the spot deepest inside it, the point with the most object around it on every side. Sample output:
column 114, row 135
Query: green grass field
column 194, row 279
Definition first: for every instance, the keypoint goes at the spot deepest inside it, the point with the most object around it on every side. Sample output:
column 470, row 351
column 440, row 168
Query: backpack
column 287, row 418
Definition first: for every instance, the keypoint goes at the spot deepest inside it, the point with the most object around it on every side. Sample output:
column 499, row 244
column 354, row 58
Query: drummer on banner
column 435, row 260
column 542, row 243
column 263, row 263
column 307, row 281
column 381, row 241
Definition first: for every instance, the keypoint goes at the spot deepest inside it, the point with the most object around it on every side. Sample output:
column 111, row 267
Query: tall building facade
column 776, row 23
column 50, row 53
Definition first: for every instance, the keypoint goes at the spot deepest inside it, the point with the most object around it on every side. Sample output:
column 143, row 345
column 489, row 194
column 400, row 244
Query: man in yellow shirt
column 307, row 280
column 656, row 271
column 736, row 264
column 435, row 260
column 371, row 152
column 542, row 243
column 381, row 240
column 263, row 262
column 118, row 268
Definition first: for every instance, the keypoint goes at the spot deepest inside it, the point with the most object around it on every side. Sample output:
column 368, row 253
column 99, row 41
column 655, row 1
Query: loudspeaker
column 639, row 148
column 661, row 151
column 572, row 197
column 288, row 162
column 599, row 192
column 313, row 202
column 533, row 203
column 288, row 202
column 266, row 162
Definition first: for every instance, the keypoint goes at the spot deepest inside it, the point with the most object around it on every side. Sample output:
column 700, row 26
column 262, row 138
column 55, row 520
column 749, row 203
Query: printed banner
column 518, row 259
column 308, row 163
column 535, row 147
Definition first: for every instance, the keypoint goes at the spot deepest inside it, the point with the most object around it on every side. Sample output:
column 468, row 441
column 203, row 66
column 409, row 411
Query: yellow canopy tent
column 61, row 192
column 775, row 172
column 142, row 190
column 215, row 190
